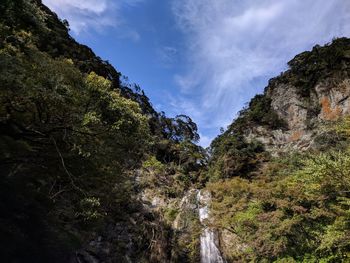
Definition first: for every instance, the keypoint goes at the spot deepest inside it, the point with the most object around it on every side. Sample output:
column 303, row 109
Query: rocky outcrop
column 292, row 115
column 327, row 99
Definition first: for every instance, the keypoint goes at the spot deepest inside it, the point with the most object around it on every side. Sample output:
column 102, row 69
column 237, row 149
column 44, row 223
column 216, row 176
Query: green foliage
column 342, row 127
column 89, row 209
column 296, row 210
column 259, row 112
column 73, row 135
column 67, row 140
column 154, row 164
column 170, row 214
column 309, row 68
column 187, row 240
column 234, row 156
column 179, row 129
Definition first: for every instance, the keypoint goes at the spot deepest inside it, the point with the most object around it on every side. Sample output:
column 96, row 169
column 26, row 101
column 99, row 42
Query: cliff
column 91, row 173
column 314, row 91
column 79, row 148
column 279, row 173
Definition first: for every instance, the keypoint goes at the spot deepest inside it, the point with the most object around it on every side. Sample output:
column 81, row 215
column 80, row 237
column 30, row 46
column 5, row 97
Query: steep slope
column 315, row 90
column 292, row 110
column 279, row 174
column 79, row 149
column 91, row 173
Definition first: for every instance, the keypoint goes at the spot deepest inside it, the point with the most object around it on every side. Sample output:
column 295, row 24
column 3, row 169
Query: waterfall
column 208, row 239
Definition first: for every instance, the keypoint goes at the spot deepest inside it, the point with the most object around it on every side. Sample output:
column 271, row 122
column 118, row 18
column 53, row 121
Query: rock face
column 292, row 114
column 230, row 243
column 190, row 227
column 181, row 224
column 327, row 99
column 186, row 206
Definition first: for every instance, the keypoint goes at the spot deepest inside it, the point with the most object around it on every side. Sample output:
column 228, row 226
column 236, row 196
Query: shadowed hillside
column 91, row 173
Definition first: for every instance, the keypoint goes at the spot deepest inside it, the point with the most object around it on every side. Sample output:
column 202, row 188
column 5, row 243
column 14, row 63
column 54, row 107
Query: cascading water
column 209, row 248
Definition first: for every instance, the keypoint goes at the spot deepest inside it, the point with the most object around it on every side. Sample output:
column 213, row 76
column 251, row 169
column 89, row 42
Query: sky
column 203, row 58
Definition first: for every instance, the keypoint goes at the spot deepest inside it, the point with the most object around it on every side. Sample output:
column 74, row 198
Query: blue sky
column 203, row 58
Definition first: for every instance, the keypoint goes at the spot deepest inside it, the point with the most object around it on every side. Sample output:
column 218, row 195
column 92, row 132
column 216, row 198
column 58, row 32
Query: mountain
column 74, row 140
column 279, row 174
column 91, row 173
column 293, row 109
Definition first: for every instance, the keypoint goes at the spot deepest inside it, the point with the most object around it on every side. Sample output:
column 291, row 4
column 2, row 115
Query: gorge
column 92, row 173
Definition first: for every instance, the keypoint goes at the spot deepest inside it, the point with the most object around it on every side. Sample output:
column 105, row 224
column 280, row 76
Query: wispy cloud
column 167, row 55
column 234, row 46
column 84, row 15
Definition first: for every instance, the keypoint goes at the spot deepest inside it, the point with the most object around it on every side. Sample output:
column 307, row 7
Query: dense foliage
column 296, row 210
column 232, row 154
column 258, row 112
column 81, row 148
column 311, row 67
column 66, row 139
column 292, row 208
column 73, row 137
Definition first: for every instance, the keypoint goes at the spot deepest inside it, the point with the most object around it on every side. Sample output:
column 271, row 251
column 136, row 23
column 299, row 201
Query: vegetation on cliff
column 321, row 63
column 297, row 209
column 292, row 207
column 73, row 137
column 89, row 170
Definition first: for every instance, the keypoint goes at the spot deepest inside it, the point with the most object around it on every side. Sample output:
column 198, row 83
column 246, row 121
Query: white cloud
column 84, row 15
column 234, row 46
